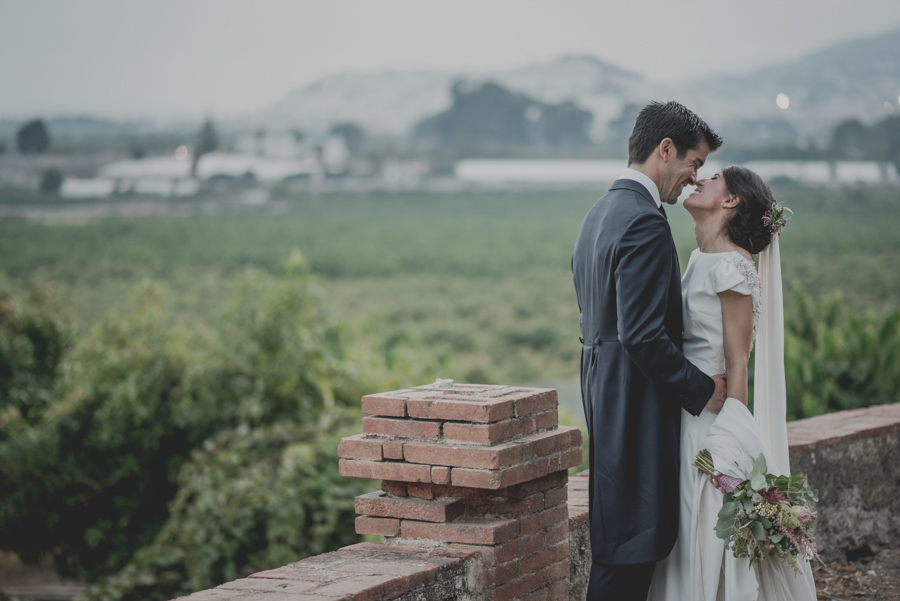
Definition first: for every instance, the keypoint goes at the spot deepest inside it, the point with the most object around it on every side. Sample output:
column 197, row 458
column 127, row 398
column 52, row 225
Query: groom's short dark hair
column 658, row 121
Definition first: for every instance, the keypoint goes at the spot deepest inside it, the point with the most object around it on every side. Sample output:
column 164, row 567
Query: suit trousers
column 620, row 583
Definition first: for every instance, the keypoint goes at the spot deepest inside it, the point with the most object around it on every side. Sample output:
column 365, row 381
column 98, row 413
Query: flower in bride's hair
column 775, row 218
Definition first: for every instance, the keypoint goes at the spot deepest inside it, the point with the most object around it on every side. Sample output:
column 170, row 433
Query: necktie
column 663, row 211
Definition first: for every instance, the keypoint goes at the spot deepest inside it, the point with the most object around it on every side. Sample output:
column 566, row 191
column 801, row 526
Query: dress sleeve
column 730, row 274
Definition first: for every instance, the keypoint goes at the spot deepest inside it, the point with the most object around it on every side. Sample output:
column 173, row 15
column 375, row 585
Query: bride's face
column 709, row 196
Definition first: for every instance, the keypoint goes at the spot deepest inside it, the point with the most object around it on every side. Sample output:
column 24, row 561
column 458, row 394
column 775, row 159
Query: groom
column 634, row 378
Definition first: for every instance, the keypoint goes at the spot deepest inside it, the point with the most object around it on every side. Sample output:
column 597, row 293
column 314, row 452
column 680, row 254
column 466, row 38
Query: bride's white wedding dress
column 700, row 568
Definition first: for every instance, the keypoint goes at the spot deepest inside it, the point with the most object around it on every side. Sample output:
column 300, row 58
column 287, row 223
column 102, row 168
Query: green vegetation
column 837, row 359
column 482, row 276
column 187, row 436
column 171, row 458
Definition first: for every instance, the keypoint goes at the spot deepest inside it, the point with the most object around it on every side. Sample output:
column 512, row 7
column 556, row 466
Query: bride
column 726, row 306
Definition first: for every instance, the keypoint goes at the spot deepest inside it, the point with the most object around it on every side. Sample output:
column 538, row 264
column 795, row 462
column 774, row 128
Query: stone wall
column 853, row 459
column 510, row 527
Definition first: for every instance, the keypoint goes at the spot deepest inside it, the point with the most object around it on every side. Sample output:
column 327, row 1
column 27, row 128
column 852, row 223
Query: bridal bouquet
column 764, row 515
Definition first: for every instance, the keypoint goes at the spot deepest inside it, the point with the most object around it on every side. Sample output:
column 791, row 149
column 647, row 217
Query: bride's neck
column 712, row 237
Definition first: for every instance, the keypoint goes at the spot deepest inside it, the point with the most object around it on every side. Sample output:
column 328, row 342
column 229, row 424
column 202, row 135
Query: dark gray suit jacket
column 634, row 378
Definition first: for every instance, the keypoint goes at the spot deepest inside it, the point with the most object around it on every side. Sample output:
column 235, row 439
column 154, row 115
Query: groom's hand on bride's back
column 719, row 394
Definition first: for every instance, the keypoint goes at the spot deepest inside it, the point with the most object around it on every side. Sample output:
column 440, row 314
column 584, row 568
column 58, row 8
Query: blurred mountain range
column 853, row 79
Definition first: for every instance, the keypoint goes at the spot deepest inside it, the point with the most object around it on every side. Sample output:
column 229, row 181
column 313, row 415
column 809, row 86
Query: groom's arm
column 643, row 274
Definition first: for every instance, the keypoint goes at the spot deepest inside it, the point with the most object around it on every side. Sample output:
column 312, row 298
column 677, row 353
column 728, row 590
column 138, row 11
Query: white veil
column 769, row 389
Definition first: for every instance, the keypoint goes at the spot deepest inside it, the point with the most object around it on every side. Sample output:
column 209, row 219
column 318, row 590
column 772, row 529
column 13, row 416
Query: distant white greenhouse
column 487, row 171
column 211, row 165
column 87, row 188
column 171, row 176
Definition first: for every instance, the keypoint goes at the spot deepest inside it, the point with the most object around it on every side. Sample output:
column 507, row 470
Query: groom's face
column 680, row 172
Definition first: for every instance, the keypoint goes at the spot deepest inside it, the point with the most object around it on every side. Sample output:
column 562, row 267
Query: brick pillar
column 474, row 465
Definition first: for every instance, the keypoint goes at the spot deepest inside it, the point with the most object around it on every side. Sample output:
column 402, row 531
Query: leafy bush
column 836, row 359
column 175, row 459
column 34, row 336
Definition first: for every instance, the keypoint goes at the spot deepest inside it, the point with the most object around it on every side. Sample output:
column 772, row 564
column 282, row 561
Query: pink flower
column 772, row 495
column 727, row 483
column 803, row 514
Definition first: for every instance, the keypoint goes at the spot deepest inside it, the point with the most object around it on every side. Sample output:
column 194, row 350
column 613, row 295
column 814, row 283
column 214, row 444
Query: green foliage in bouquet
column 165, row 459
column 769, row 515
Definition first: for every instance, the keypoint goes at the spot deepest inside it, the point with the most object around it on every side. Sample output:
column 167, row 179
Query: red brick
column 420, row 490
column 460, row 389
column 386, row 404
column 504, row 506
column 541, row 594
column 498, row 554
column 557, row 571
column 476, row 478
column 366, row 588
column 557, row 533
column 473, row 531
column 555, row 496
column 559, row 590
column 530, row 543
column 519, row 588
column 375, row 470
column 544, row 483
column 536, row 561
column 213, row 594
column 542, row 399
column 544, row 557
column 377, row 526
column 392, row 449
column 461, row 492
column 546, row 420
column 398, row 489
column 280, row 585
column 402, row 428
column 500, row 478
column 485, row 553
column 488, row 433
column 501, row 574
column 273, row 596
column 553, row 441
column 360, row 447
column 523, row 473
column 552, row 592
column 577, row 438
column 544, row 519
column 491, row 458
column 460, row 410
column 571, row 458
column 380, row 505
column 440, row 475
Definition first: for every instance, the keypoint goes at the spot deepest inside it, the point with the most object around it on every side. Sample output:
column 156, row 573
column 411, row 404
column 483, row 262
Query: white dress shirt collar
column 637, row 176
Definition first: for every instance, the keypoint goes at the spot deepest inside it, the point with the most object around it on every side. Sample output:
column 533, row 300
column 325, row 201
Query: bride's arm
column 737, row 329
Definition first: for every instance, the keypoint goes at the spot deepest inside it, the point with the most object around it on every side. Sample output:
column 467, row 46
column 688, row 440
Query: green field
column 481, row 278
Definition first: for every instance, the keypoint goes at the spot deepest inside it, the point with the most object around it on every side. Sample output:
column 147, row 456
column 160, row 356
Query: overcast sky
column 188, row 58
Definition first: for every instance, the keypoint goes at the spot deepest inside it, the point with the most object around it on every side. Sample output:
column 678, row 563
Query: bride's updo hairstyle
column 747, row 228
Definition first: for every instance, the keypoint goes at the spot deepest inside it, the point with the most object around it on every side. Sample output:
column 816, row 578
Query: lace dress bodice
column 707, row 275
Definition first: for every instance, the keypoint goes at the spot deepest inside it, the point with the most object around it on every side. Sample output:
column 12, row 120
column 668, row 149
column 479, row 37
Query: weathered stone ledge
column 363, row 572
column 851, row 457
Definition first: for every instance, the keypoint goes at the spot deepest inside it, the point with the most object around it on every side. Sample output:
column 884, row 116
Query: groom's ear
column 666, row 150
